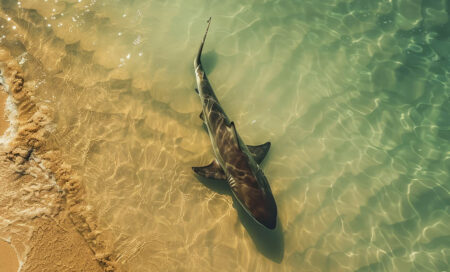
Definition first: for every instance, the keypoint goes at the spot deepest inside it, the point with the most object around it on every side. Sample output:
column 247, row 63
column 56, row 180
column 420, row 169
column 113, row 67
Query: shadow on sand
column 209, row 61
column 270, row 243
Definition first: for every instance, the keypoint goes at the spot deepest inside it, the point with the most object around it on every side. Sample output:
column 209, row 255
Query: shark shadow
column 210, row 61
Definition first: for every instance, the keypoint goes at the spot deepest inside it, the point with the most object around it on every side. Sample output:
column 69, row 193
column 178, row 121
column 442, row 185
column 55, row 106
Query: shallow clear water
column 353, row 95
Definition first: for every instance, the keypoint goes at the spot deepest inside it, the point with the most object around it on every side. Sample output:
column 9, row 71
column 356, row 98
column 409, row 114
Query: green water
column 353, row 95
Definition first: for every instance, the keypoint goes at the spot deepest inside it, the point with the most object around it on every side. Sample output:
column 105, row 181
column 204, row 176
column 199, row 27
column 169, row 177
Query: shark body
column 234, row 162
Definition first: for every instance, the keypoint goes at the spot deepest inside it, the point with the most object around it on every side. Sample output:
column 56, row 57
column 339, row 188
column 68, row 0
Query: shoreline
column 45, row 219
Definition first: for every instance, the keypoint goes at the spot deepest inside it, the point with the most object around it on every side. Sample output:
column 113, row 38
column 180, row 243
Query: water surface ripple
column 353, row 95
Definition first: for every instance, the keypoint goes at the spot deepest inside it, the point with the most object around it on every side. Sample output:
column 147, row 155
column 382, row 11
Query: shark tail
column 199, row 54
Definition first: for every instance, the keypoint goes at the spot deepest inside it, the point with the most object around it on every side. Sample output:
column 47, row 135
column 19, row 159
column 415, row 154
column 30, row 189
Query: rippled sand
column 353, row 96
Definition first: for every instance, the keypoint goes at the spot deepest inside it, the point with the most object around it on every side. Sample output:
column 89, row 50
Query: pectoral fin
column 212, row 170
column 259, row 151
column 201, row 116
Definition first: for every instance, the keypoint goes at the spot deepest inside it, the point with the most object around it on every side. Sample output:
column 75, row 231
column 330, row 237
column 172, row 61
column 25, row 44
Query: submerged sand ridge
column 42, row 209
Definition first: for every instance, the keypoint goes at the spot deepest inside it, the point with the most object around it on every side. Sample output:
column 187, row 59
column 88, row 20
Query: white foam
column 11, row 114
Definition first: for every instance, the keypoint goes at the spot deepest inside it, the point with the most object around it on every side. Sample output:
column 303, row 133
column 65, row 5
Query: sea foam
column 11, row 115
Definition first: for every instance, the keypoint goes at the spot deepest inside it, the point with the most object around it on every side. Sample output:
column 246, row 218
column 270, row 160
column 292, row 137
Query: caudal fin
column 199, row 54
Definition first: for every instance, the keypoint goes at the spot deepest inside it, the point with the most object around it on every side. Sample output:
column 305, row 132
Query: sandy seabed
column 45, row 224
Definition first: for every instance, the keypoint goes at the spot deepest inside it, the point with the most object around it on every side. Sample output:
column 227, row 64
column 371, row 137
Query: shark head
column 250, row 185
column 252, row 189
column 266, row 211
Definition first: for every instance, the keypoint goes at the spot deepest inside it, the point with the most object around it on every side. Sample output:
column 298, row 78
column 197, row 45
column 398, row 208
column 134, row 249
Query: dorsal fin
column 259, row 152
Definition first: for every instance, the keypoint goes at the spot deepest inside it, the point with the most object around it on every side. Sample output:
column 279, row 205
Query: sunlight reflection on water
column 353, row 96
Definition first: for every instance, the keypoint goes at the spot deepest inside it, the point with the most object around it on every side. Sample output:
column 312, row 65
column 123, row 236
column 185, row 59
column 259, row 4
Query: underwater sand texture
column 354, row 96
column 43, row 213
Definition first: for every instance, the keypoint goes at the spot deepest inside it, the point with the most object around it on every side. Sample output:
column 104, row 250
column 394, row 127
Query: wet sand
column 44, row 214
column 8, row 258
column 3, row 122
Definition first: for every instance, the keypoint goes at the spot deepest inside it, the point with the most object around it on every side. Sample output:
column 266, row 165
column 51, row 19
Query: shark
column 235, row 162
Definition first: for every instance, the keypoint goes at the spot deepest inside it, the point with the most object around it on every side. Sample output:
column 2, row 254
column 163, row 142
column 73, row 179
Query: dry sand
column 42, row 209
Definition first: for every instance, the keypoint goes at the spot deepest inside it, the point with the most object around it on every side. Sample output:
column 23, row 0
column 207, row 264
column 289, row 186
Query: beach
column 8, row 257
column 45, row 224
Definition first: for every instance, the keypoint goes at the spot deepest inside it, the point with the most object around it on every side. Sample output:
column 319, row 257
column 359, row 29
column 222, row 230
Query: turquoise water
column 353, row 95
